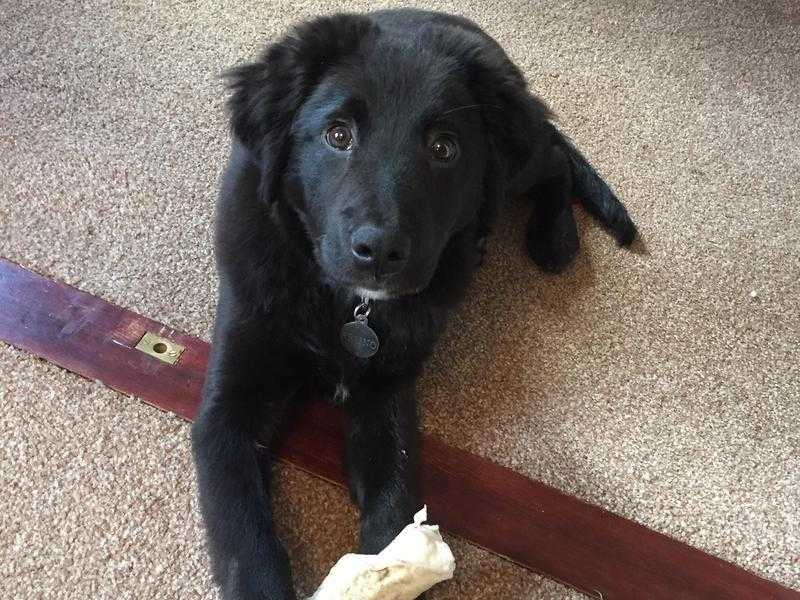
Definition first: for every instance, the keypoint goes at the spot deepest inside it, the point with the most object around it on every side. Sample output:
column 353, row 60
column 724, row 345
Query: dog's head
column 385, row 146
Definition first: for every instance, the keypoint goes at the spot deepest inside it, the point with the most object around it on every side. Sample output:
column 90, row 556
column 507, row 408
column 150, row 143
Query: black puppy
column 369, row 154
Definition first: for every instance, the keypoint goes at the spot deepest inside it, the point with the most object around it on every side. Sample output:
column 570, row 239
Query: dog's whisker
column 465, row 107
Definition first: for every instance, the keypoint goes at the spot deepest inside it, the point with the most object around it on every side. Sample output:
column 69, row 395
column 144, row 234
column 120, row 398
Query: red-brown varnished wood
column 96, row 339
column 532, row 524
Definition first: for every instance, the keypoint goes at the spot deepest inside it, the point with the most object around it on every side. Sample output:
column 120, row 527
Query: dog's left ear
column 518, row 122
column 267, row 93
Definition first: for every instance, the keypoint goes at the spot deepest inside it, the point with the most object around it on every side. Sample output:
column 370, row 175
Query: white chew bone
column 417, row 559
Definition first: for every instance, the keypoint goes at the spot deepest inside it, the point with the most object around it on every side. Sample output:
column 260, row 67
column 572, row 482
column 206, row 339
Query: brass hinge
column 160, row 348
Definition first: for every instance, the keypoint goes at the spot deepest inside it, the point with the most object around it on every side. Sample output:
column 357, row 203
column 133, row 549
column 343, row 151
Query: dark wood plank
column 95, row 338
column 532, row 524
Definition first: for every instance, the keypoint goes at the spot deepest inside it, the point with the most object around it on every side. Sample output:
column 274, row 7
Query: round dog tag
column 359, row 339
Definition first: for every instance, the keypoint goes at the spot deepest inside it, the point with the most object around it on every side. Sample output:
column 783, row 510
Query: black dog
column 369, row 154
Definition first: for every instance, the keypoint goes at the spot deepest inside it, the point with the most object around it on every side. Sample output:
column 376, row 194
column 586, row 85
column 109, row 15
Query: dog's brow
column 353, row 107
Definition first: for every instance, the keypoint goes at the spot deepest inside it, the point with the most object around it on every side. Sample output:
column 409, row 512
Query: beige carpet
column 664, row 386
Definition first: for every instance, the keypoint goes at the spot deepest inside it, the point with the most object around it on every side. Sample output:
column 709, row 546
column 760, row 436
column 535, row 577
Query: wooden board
column 532, row 524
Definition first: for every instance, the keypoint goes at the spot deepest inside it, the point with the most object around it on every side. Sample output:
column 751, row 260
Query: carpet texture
column 662, row 384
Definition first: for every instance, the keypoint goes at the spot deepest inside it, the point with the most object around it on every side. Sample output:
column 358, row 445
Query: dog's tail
column 595, row 195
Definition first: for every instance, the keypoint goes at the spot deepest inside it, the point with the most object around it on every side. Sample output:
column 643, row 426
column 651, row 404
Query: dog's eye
column 340, row 137
column 443, row 148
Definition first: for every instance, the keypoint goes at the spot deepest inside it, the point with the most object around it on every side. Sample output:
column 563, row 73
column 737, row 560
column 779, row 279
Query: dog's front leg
column 552, row 235
column 246, row 391
column 382, row 460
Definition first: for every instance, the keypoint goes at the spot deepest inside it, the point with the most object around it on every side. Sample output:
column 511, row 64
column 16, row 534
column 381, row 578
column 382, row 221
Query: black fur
column 289, row 209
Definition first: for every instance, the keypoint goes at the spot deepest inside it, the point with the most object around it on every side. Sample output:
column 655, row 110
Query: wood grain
column 532, row 524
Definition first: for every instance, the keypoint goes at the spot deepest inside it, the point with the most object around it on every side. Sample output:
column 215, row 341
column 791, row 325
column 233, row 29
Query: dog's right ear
column 267, row 93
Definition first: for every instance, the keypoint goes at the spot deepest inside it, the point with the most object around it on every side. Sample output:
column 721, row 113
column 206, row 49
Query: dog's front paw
column 246, row 580
column 624, row 229
column 480, row 251
column 553, row 249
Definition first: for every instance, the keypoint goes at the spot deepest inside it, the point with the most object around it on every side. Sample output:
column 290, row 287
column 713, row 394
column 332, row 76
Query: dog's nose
column 383, row 251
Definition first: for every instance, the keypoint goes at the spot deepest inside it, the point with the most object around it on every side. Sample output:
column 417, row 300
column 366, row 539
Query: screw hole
column 159, row 348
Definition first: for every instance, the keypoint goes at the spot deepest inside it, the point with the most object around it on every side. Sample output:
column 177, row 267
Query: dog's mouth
column 384, row 293
column 376, row 289
column 392, row 287
column 400, row 285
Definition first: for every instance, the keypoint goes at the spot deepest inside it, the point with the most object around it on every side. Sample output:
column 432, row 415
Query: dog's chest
column 405, row 338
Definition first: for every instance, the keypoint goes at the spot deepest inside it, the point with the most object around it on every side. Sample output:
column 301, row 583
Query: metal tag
column 359, row 338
